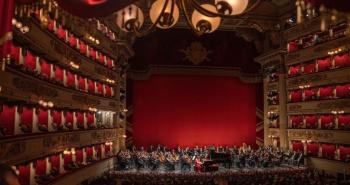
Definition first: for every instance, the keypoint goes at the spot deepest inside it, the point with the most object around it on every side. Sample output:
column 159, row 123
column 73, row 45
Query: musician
column 170, row 162
column 185, row 163
column 198, row 164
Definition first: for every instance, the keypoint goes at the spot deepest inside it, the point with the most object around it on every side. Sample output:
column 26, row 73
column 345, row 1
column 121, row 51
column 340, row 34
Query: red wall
column 193, row 110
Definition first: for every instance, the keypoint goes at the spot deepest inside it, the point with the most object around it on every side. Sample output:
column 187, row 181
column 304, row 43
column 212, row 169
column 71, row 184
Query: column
column 267, row 140
column 283, row 110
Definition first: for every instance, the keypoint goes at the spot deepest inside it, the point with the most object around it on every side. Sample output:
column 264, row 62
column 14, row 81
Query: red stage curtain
column 27, row 119
column 43, row 119
column 81, row 83
column 342, row 60
column 328, row 151
column 40, row 168
column 324, row 64
column 294, row 70
column 80, row 120
column 69, row 119
column 327, row 121
column 326, row 93
column 309, row 68
column 30, row 61
column 91, row 86
column 344, row 121
column 58, row 74
column 57, row 119
column 297, row 146
column 311, row 121
column 296, row 96
column 297, row 121
column 55, row 162
column 24, row 174
column 310, row 94
column 344, row 151
column 6, row 14
column 7, row 119
column 202, row 110
column 342, row 91
column 45, row 68
column 70, row 79
column 312, row 149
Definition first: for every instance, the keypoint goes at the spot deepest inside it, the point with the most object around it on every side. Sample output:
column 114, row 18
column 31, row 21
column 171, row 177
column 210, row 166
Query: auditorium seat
column 90, row 120
column 309, row 68
column 292, row 46
column 40, row 169
column 294, row 70
column 323, row 64
column 297, row 146
column 55, row 161
column 24, row 174
column 325, row 93
column 59, row 74
column 43, row 119
column 26, row 123
column 311, row 121
column 79, row 157
column 295, row 96
column 297, row 121
column 80, row 119
column 57, row 120
column 327, row 121
column 344, row 121
column 342, row 60
column 309, row 94
column 312, row 149
column 69, row 120
column 344, row 153
column 7, row 120
column 91, row 86
column 342, row 91
column 328, row 151
column 30, row 61
column 45, row 69
column 82, row 83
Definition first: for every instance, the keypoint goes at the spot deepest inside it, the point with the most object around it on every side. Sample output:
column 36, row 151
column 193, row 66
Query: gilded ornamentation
column 315, row 135
column 61, row 142
column 8, row 150
column 196, row 53
column 34, row 87
column 85, row 99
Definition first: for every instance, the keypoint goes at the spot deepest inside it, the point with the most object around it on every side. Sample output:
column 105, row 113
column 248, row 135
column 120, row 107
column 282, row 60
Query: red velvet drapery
column 6, row 14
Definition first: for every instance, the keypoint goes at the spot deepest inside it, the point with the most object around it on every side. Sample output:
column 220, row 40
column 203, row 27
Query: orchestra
column 202, row 159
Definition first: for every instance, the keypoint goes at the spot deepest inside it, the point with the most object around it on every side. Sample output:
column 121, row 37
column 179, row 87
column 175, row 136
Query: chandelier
column 202, row 18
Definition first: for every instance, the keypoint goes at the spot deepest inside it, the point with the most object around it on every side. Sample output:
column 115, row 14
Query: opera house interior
column 174, row 92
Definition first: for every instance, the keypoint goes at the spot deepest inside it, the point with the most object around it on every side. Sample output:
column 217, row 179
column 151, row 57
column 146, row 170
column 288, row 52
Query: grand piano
column 216, row 158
